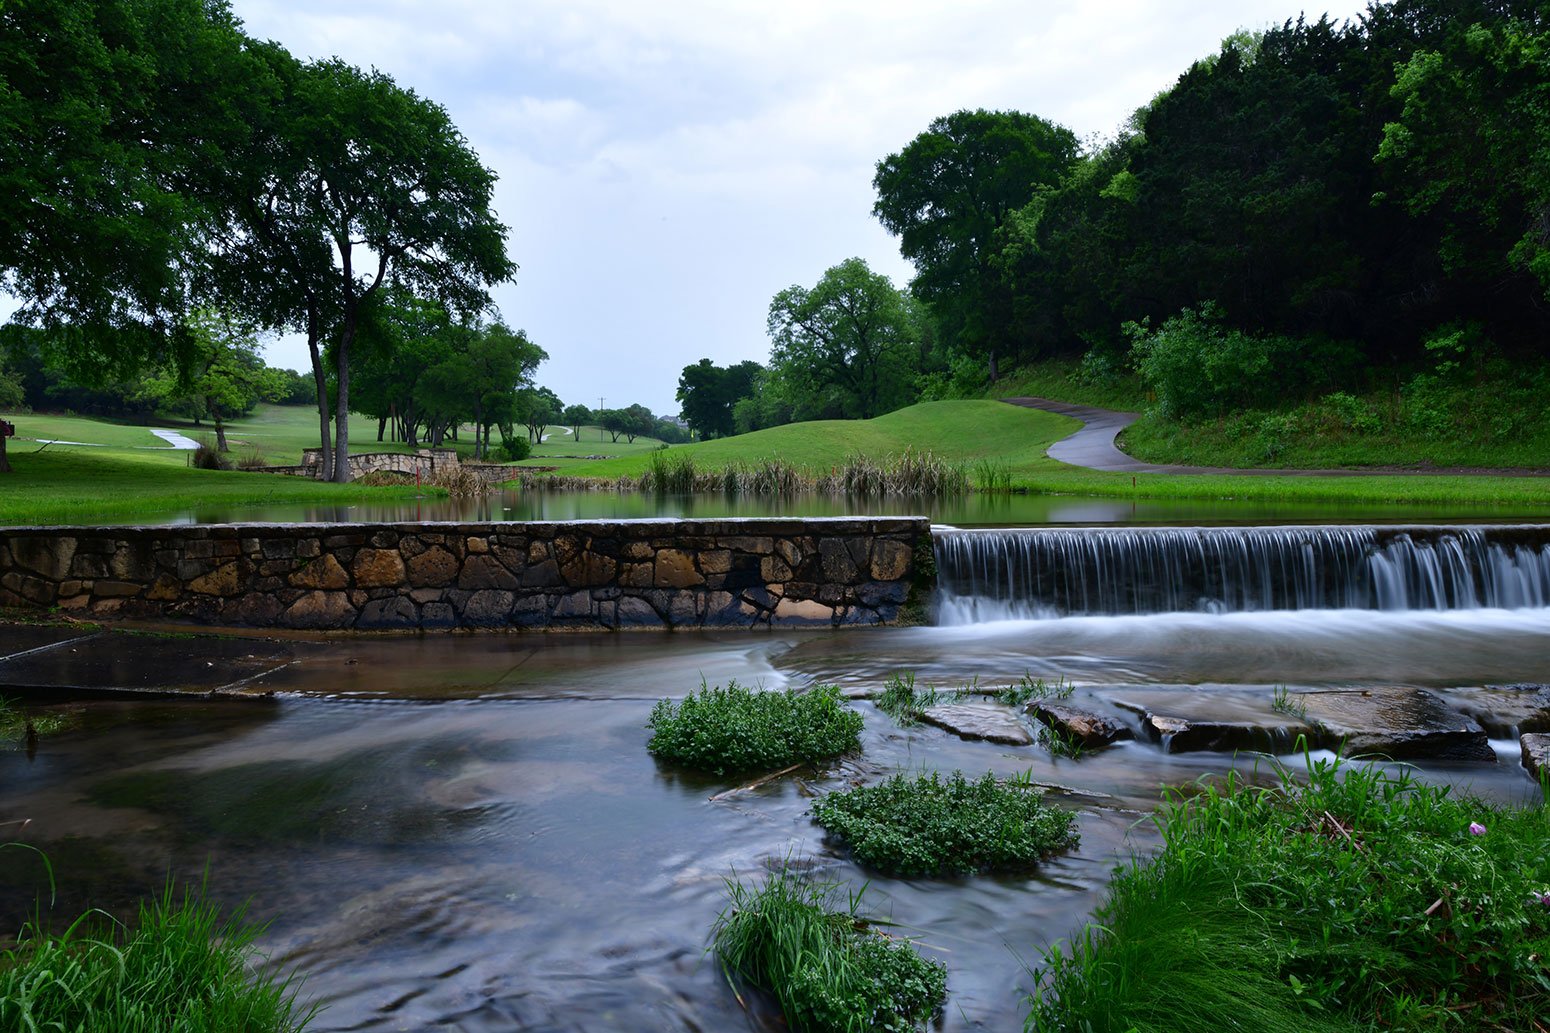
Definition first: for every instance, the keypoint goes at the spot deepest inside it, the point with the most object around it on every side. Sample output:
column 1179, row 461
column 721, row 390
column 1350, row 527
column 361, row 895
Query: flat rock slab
column 1397, row 723
column 16, row 639
column 1089, row 729
column 125, row 664
column 1190, row 722
column 1507, row 711
column 989, row 721
column 1536, row 753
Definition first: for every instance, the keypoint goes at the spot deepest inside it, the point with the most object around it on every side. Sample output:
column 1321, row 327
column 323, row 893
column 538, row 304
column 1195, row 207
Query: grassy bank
column 103, row 485
column 1015, row 439
column 1355, row 900
column 180, row 967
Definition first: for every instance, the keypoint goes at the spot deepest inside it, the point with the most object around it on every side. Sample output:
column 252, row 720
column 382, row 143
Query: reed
column 458, row 482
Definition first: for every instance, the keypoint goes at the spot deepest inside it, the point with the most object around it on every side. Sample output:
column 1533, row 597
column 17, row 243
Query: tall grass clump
column 1362, row 899
column 992, row 477
column 736, row 730
column 908, row 473
column 207, row 457
column 933, row 826
column 829, row 970
column 671, row 473
column 458, row 482
column 903, row 702
column 181, row 969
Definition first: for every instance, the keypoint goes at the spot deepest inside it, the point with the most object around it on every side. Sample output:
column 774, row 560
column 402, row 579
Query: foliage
column 1362, row 897
column 707, row 393
column 930, row 826
column 852, row 334
column 830, row 972
column 224, row 378
column 945, row 194
column 181, row 968
column 735, row 729
column 1197, row 367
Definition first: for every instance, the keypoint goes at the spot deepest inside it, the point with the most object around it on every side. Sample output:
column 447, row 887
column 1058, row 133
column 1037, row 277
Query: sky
column 667, row 167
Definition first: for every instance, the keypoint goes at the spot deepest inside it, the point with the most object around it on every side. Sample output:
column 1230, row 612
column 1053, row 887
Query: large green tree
column 852, row 332
column 226, row 377
column 947, row 193
column 707, row 393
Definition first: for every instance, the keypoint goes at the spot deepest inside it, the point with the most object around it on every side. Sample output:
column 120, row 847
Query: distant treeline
column 1316, row 206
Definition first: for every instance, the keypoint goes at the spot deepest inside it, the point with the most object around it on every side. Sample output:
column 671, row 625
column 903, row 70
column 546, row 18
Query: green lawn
column 563, row 445
column 970, row 431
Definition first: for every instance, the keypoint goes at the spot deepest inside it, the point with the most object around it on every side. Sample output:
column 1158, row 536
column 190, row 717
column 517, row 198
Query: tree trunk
column 342, row 408
column 5, row 464
column 381, row 428
column 994, row 372
column 321, row 380
column 220, row 435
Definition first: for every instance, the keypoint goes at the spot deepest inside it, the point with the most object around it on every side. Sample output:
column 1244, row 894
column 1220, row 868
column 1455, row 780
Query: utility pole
column 600, row 417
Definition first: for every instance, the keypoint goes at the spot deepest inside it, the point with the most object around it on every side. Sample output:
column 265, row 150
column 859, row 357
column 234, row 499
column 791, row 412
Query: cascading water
column 1037, row 573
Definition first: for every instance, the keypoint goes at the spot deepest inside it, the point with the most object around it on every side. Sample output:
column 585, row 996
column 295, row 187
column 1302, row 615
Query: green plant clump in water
column 735, row 729
column 903, row 702
column 828, row 969
column 930, row 826
column 181, row 970
column 1361, row 900
column 1030, row 688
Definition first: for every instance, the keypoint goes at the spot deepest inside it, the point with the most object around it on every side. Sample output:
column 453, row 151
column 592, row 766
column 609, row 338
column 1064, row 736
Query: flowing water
column 466, row 831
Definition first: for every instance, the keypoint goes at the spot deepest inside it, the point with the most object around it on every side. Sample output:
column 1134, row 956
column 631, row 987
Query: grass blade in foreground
column 182, row 969
column 828, row 970
column 1361, row 900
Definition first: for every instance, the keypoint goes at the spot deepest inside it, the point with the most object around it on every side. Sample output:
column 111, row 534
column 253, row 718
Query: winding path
column 1092, row 446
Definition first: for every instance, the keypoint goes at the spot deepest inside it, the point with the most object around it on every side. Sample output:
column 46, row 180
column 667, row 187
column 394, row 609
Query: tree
column 945, row 195
column 536, row 408
column 227, row 377
column 574, row 416
column 707, row 393
column 852, row 331
column 638, row 420
column 355, row 183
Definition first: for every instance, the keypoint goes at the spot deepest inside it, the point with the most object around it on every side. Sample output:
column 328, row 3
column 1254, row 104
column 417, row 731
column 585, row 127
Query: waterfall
column 1035, row 573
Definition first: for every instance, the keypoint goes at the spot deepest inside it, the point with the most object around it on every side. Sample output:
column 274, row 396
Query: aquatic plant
column 928, row 825
column 1060, row 742
column 181, row 968
column 903, row 702
column 828, row 968
column 1359, row 899
column 1283, row 703
column 736, row 729
column 1028, row 688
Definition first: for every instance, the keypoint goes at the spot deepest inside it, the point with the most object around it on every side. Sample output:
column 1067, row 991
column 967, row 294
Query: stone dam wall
column 575, row 574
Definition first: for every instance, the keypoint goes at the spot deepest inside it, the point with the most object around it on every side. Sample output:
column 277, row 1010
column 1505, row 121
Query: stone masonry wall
column 583, row 574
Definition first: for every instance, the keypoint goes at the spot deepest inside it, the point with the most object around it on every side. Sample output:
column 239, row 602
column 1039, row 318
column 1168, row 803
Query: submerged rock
column 1398, row 723
column 1507, row 711
column 1089, row 729
column 1536, row 753
column 1216, row 721
column 989, row 721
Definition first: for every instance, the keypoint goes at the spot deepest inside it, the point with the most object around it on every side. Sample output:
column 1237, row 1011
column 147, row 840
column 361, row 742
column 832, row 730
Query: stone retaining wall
column 587, row 574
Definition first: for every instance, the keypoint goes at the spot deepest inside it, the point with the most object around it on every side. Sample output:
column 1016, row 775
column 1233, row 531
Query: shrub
column 208, row 457
column 928, row 826
column 826, row 967
column 515, row 448
column 735, row 730
column 253, row 460
column 1363, row 899
column 182, row 968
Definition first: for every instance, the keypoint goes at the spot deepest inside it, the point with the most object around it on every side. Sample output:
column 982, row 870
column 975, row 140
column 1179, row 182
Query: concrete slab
column 16, row 639
column 120, row 663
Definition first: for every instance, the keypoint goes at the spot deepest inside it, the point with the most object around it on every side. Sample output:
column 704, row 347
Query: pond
column 466, row 831
column 973, row 510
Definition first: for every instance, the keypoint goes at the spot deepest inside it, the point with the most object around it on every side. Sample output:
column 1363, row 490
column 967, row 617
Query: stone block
column 488, row 608
column 438, row 615
column 376, row 568
column 257, row 608
column 165, row 588
column 1536, row 753
column 802, row 612
column 890, row 560
column 774, row 569
column 758, row 545
column 675, row 569
column 715, row 561
column 319, row 609
column 433, row 568
column 481, row 572
column 478, row 545
column 223, row 580
column 387, row 613
column 838, row 567
column 576, row 604
column 323, row 573
column 635, row 612
column 542, row 575
column 106, row 588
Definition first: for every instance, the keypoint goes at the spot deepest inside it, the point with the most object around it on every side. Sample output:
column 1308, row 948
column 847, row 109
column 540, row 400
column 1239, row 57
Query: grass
column 928, row 825
column 1360, row 899
column 1028, row 688
column 181, row 969
column 1283, row 703
column 738, row 730
column 829, row 970
column 967, row 432
column 563, row 448
column 20, row 728
column 106, row 486
column 903, row 702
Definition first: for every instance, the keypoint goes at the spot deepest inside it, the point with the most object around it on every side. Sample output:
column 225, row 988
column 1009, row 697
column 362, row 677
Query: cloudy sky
column 666, row 167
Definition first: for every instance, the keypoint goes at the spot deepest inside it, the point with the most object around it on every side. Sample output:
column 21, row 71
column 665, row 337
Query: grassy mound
column 828, row 970
column 1360, row 900
column 931, row 826
column 182, row 969
column 737, row 730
